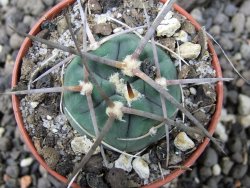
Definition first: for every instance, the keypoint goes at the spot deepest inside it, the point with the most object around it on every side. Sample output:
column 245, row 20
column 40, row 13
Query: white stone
column 225, row 117
column 102, row 18
column 183, row 142
column 2, row 130
column 168, row 27
column 118, row 29
column 119, row 15
column 193, row 91
column 197, row 15
column 34, row 104
column 244, row 121
column 49, row 117
column 82, row 145
column 221, row 132
column 1, row 48
column 146, row 158
column 140, row 31
column 4, row 3
column 244, row 107
column 216, row 170
column 141, row 168
column 181, row 36
column 26, row 162
column 189, row 50
column 124, row 162
column 169, row 15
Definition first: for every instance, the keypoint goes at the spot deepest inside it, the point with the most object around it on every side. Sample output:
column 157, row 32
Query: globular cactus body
column 133, row 126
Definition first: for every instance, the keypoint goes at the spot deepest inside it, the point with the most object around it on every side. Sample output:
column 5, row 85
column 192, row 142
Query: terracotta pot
column 16, row 104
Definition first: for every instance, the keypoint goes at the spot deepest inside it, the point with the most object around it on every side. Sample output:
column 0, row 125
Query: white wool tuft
column 161, row 81
column 116, row 110
column 118, row 82
column 130, row 65
column 121, row 88
column 87, row 87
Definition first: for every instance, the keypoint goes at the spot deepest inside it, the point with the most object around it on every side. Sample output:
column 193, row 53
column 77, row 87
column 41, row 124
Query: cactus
column 122, row 93
column 132, row 126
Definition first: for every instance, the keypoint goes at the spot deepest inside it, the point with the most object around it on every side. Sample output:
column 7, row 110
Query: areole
column 175, row 173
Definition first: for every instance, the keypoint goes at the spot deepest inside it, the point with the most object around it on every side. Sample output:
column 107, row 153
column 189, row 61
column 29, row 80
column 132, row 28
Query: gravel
column 229, row 22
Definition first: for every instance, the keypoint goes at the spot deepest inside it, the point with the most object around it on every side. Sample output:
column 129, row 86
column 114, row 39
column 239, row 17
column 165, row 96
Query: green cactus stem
column 133, row 126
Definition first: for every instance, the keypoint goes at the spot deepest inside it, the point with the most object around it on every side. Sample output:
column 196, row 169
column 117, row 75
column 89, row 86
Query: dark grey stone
column 210, row 157
column 13, row 171
column 5, row 144
column 235, row 145
column 239, row 170
column 245, row 7
column 237, row 157
column 43, row 182
column 205, row 173
column 246, row 181
column 230, row 9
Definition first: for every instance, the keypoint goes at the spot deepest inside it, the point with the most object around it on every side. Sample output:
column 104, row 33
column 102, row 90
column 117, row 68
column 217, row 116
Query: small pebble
column 216, row 169
column 25, row 181
column 193, row 91
column 34, row 104
column 244, row 121
column 226, row 165
column 210, row 157
column 117, row 178
column 103, row 29
column 183, row 142
column 221, row 132
column 13, row 171
column 205, row 173
column 141, row 168
column 124, row 162
column 238, row 23
column 245, row 51
column 181, row 36
column 82, row 145
column 51, row 156
column 15, row 41
column 245, row 7
column 2, row 130
column 239, row 170
column 230, row 9
column 189, row 50
column 5, row 144
column 26, row 162
column 244, row 107
column 168, row 28
column 197, row 15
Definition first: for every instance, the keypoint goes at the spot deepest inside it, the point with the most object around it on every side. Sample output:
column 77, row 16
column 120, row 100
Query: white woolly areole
column 130, row 65
column 118, row 82
column 161, row 81
column 116, row 110
column 87, row 87
column 121, row 88
column 137, row 95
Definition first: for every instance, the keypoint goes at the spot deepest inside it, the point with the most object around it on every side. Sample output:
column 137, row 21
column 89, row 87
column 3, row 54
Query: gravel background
column 228, row 21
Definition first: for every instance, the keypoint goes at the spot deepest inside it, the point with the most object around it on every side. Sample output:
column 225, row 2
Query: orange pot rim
column 16, row 103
